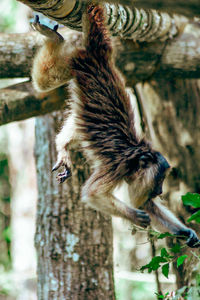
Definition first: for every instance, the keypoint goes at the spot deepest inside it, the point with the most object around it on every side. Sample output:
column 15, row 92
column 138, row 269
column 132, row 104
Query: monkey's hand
column 140, row 218
column 64, row 175
column 192, row 238
column 45, row 30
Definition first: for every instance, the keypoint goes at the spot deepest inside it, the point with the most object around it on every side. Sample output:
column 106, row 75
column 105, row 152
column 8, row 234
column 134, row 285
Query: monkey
column 101, row 118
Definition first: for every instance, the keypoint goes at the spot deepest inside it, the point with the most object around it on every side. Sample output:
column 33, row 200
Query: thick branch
column 16, row 54
column 125, row 21
column 21, row 102
column 177, row 57
column 17, row 51
column 189, row 8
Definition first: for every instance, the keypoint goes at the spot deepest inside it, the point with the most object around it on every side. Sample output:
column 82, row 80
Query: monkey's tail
column 98, row 42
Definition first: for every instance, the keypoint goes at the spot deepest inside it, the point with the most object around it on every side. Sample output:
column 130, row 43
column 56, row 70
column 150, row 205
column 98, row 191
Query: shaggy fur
column 102, row 120
column 105, row 119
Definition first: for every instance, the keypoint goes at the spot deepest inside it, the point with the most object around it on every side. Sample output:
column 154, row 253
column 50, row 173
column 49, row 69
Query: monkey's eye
column 145, row 160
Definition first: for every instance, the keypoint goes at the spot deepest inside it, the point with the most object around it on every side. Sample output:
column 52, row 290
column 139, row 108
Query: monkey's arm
column 164, row 219
column 97, row 193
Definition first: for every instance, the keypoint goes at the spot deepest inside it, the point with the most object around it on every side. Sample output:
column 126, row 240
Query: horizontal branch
column 16, row 54
column 136, row 61
column 21, row 102
column 178, row 57
column 188, row 8
column 68, row 12
column 17, row 51
column 128, row 22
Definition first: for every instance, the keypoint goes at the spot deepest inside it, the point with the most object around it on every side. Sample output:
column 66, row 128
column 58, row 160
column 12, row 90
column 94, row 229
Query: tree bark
column 16, row 54
column 124, row 21
column 20, row 102
column 188, row 8
column 136, row 61
column 178, row 57
column 17, row 51
column 74, row 243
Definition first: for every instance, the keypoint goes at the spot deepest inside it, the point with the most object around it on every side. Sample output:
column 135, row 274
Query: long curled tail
column 98, row 42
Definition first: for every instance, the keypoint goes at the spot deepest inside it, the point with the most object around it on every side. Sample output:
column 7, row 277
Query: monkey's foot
column 140, row 218
column 64, row 175
column 45, row 30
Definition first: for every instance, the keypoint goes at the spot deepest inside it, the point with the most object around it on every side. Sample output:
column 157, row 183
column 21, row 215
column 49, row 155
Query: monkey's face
column 147, row 182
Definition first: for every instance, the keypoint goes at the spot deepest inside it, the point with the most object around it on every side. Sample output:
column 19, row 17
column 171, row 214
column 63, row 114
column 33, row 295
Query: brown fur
column 102, row 120
column 104, row 114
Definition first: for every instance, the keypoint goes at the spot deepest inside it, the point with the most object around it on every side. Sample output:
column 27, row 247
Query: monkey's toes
column 45, row 30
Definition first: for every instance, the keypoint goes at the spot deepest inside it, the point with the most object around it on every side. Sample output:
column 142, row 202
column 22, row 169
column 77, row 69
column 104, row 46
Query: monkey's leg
column 65, row 136
column 160, row 215
column 45, row 30
column 95, row 195
column 51, row 63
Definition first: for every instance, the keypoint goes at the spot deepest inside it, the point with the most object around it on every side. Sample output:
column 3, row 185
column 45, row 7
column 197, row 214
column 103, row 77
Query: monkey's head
column 146, row 183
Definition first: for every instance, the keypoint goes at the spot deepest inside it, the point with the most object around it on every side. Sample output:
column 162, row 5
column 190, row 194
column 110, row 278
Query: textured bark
column 171, row 111
column 125, row 21
column 189, row 8
column 178, row 57
column 185, row 7
column 136, row 61
column 74, row 243
column 20, row 102
column 16, row 54
column 17, row 51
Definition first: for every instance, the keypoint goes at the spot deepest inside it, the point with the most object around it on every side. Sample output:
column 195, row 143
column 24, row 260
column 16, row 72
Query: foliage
column 193, row 199
column 173, row 254
column 163, row 260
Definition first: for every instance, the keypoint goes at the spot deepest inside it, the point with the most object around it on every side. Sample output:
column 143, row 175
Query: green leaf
column 181, row 259
column 176, row 248
column 195, row 217
column 191, row 199
column 159, row 296
column 164, row 235
column 164, row 253
column 7, row 234
column 154, row 264
column 165, row 270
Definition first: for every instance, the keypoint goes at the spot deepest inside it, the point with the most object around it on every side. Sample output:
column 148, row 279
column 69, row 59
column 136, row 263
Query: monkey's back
column 104, row 115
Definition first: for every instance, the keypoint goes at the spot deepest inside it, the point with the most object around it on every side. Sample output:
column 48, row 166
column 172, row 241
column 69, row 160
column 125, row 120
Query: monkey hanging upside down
column 101, row 118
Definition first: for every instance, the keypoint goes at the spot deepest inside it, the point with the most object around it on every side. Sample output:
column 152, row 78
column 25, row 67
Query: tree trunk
column 74, row 243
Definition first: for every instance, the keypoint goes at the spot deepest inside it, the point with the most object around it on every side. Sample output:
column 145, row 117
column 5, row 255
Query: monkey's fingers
column 45, row 30
column 64, row 175
column 142, row 218
column 193, row 240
